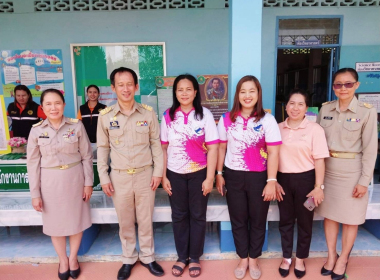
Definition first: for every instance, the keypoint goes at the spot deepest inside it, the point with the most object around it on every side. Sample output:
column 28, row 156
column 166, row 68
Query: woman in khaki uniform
column 351, row 131
column 60, row 179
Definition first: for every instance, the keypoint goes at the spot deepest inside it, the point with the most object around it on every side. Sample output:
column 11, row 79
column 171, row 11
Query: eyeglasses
column 346, row 85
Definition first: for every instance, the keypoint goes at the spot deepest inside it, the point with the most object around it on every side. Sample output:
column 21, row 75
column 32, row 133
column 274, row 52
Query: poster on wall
column 371, row 98
column 164, row 87
column 4, row 131
column 214, row 93
column 36, row 69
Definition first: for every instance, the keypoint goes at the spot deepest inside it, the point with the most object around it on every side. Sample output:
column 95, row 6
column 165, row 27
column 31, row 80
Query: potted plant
column 18, row 144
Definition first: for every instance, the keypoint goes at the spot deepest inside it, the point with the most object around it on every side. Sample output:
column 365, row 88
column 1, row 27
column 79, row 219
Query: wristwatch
column 219, row 172
column 322, row 187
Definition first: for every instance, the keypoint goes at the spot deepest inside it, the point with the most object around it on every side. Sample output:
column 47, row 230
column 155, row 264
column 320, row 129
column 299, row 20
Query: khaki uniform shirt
column 353, row 130
column 130, row 141
column 48, row 147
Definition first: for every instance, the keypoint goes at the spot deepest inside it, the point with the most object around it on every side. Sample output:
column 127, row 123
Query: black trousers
column 296, row 186
column 248, row 211
column 189, row 207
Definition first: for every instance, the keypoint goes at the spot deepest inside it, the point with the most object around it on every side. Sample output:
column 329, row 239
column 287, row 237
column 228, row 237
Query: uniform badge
column 70, row 133
column 30, row 112
column 44, row 135
column 114, row 124
column 353, row 120
column 142, row 123
column 327, row 118
column 13, row 112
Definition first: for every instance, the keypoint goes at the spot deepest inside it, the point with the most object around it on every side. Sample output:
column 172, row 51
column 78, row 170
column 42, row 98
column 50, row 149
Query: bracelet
column 271, row 180
column 219, row 172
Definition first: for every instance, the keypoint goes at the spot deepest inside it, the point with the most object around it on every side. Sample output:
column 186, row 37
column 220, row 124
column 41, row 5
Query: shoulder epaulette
column 367, row 105
column 147, row 107
column 37, row 124
column 73, row 120
column 105, row 110
column 328, row 102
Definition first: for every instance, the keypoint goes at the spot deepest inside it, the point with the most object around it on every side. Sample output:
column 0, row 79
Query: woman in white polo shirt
column 189, row 139
column 249, row 144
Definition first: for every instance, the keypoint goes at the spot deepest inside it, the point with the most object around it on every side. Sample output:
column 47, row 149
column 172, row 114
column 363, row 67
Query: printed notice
column 49, row 76
column 11, row 74
column 28, row 75
column 367, row 66
column 371, row 98
column 58, row 86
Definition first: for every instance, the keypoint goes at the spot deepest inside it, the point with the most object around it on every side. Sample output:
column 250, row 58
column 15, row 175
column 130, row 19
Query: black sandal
column 180, row 269
column 194, row 268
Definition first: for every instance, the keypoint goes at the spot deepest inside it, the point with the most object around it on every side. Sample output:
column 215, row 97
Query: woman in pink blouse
column 189, row 140
column 301, row 173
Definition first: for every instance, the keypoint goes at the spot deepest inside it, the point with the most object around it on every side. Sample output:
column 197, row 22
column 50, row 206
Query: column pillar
column 245, row 42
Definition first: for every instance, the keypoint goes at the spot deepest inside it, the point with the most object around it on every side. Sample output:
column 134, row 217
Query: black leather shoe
column 75, row 273
column 154, row 268
column 299, row 273
column 283, row 272
column 125, row 271
column 326, row 272
column 63, row 276
column 335, row 276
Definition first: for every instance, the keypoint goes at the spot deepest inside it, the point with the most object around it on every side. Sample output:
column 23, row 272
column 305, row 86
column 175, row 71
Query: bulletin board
column 36, row 69
column 93, row 64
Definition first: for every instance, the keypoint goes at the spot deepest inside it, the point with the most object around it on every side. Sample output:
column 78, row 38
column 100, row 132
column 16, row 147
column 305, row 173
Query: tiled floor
column 20, row 243
column 359, row 268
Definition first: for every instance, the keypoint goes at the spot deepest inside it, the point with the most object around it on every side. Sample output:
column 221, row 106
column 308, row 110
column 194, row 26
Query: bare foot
column 300, row 265
column 330, row 262
column 64, row 265
column 176, row 271
column 285, row 264
column 194, row 273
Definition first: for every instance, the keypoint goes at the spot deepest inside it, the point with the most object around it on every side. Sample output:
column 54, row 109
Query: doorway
column 307, row 57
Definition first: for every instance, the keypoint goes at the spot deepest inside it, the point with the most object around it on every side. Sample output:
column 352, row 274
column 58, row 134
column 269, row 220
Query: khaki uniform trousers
column 134, row 202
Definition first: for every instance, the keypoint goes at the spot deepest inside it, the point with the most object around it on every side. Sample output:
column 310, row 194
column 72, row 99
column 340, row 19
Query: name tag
column 327, row 118
column 353, row 120
column 114, row 125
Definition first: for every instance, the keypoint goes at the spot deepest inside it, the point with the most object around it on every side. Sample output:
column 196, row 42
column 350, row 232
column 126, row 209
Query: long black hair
column 196, row 102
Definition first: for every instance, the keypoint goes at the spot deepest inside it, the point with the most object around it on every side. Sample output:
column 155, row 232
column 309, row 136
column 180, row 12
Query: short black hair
column 94, row 86
column 121, row 70
column 53, row 90
column 352, row 71
column 299, row 91
column 27, row 90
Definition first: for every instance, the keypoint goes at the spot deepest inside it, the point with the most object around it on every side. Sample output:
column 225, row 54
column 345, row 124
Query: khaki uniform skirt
column 341, row 177
column 64, row 212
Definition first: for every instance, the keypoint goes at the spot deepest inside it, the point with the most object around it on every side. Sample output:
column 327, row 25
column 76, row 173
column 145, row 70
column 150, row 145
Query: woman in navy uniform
column 24, row 112
column 89, row 112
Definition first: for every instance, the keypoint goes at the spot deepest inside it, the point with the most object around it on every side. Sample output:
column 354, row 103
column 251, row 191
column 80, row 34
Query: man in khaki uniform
column 129, row 133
